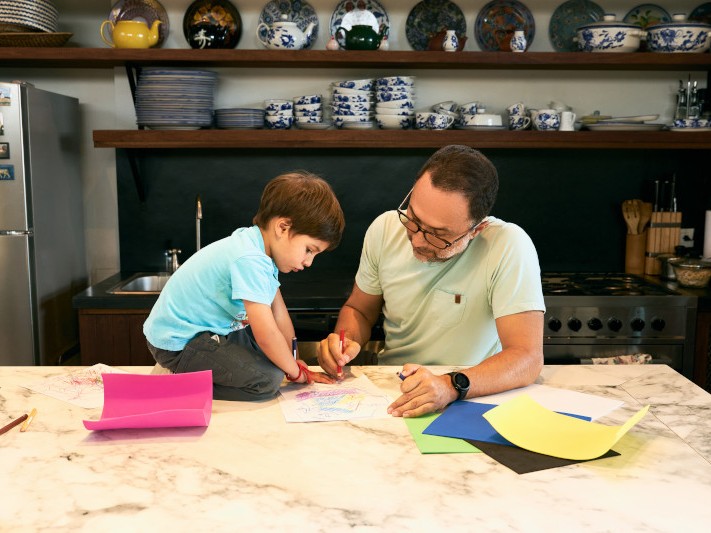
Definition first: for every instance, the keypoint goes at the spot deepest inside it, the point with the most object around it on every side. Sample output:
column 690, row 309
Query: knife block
column 635, row 247
column 662, row 238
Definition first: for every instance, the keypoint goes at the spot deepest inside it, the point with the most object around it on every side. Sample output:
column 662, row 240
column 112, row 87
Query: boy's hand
column 307, row 376
column 330, row 356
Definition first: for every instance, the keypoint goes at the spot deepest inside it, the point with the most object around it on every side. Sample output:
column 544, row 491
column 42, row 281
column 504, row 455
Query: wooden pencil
column 12, row 424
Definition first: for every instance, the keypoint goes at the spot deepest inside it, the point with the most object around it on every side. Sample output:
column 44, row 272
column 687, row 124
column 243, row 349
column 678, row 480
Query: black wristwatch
column 460, row 382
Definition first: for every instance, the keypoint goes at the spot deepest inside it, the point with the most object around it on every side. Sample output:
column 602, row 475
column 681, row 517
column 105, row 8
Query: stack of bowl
column 28, row 15
column 308, row 110
column 279, row 114
column 351, row 103
column 395, row 102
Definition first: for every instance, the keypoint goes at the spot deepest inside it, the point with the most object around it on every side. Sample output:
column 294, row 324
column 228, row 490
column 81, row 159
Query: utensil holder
column 663, row 236
column 635, row 248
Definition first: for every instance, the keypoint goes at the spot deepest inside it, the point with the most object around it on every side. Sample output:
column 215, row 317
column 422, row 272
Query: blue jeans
column 240, row 369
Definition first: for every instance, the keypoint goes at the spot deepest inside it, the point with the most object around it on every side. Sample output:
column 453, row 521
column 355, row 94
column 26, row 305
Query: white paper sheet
column 84, row 387
column 354, row 397
column 560, row 400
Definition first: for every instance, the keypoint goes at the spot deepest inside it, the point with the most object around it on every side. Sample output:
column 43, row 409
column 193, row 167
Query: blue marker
column 293, row 346
column 399, row 374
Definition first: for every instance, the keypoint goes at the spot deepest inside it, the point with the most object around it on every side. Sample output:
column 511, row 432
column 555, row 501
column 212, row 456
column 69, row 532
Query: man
column 456, row 287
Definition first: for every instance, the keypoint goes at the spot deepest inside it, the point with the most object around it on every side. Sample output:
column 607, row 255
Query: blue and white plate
column 429, row 17
column 299, row 12
column 647, row 14
column 566, row 20
column 350, row 12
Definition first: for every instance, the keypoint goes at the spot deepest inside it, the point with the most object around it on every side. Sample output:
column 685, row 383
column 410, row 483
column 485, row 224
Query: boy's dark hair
column 308, row 201
column 457, row 168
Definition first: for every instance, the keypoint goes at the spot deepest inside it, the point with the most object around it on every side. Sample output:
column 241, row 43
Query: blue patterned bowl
column 679, row 36
column 609, row 35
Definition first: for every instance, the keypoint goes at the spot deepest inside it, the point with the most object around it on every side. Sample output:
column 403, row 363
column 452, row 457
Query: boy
column 222, row 309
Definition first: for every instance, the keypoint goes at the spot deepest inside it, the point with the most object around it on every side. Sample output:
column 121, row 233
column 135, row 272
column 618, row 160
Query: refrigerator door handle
column 17, row 233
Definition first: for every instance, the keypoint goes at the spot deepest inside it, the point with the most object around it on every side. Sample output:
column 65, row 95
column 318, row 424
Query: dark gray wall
column 569, row 201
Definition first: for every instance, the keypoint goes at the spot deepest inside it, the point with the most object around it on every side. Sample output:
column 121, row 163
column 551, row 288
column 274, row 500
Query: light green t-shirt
column 443, row 313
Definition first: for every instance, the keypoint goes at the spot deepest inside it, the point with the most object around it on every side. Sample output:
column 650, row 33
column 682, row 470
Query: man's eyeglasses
column 430, row 237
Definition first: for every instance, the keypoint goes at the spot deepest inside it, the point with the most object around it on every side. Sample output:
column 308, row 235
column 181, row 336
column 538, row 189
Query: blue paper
column 465, row 420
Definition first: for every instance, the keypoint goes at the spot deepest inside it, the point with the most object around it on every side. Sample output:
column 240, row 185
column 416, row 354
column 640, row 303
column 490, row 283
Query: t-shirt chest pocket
column 448, row 307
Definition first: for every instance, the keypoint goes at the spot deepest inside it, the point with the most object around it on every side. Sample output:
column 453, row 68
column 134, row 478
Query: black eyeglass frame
column 404, row 220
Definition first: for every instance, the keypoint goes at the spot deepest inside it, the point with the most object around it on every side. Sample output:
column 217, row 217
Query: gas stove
column 597, row 315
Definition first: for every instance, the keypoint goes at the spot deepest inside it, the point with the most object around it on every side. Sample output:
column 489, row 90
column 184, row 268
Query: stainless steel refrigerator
column 42, row 259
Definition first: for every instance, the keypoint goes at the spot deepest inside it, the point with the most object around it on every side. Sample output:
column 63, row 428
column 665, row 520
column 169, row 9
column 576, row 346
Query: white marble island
column 249, row 470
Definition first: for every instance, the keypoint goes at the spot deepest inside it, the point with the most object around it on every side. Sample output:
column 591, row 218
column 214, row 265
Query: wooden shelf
column 67, row 57
column 383, row 139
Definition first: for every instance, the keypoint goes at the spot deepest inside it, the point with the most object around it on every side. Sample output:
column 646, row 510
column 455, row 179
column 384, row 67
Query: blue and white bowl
column 691, row 123
column 384, row 96
column 396, row 104
column 308, row 99
column 380, row 110
column 365, row 97
column 393, row 122
column 679, row 35
column 340, row 120
column 359, row 85
column 273, row 107
column 395, row 80
column 609, row 35
column 278, row 122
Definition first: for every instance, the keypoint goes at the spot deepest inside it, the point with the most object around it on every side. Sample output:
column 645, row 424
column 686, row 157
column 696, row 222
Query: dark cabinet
column 113, row 337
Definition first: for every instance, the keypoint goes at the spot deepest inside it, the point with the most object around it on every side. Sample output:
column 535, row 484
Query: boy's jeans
column 240, row 369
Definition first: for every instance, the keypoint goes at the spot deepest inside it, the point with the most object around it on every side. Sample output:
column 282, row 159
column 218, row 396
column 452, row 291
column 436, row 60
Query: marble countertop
column 249, row 470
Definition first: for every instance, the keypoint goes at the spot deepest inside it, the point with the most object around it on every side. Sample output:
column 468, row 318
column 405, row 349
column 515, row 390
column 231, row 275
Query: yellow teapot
column 131, row 34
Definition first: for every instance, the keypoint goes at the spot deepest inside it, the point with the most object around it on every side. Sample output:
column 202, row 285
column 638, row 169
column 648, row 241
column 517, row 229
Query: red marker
column 342, row 346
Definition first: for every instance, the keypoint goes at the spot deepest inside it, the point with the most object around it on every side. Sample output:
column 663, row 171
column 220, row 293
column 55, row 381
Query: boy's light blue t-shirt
column 206, row 293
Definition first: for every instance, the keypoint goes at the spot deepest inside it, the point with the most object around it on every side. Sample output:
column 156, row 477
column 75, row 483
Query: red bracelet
column 303, row 370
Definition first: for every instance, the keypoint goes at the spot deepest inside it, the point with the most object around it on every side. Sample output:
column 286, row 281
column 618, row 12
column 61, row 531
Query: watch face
column 461, row 381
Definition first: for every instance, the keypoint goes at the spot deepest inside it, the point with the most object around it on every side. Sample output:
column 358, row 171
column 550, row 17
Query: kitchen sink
column 142, row 283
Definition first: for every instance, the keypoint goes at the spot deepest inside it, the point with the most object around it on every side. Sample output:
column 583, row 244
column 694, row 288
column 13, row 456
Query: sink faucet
column 171, row 259
column 198, row 218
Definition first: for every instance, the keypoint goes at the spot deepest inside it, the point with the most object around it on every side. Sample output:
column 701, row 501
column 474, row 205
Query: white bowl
column 362, row 85
column 307, row 107
column 351, row 97
column 395, row 80
column 397, row 104
column 679, row 36
column 384, row 96
column 609, row 35
column 379, row 110
column 393, row 122
column 309, row 99
column 351, row 92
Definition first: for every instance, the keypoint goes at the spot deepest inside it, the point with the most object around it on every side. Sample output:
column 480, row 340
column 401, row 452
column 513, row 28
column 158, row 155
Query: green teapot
column 361, row 37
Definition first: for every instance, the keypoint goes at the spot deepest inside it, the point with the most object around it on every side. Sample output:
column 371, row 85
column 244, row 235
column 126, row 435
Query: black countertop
column 301, row 292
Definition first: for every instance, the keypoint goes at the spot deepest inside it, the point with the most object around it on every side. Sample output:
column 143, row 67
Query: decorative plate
column 701, row 13
column 146, row 11
column 34, row 39
column 300, row 12
column 429, row 17
column 497, row 21
column 646, row 15
column 212, row 24
column 350, row 12
column 566, row 19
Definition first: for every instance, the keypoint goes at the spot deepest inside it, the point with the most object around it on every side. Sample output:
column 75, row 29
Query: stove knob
column 615, row 324
column 574, row 324
column 637, row 324
column 554, row 324
column 595, row 324
column 658, row 324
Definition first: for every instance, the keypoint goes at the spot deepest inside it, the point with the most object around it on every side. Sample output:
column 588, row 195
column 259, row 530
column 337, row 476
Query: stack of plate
column 239, row 118
column 175, row 98
column 351, row 102
column 29, row 15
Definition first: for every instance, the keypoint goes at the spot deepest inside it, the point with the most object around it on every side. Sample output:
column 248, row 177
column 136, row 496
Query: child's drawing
column 84, row 388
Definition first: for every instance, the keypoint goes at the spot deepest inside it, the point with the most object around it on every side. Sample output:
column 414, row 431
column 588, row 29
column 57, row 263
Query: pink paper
column 155, row 401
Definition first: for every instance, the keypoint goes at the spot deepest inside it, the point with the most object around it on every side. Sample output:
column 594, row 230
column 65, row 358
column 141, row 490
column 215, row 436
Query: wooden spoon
column 631, row 214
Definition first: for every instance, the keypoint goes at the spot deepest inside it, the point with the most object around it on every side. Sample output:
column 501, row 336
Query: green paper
column 434, row 443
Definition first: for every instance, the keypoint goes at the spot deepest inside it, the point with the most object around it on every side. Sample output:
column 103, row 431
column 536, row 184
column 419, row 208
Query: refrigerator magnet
column 2, row 127
column 7, row 172
column 5, row 96
column 4, row 150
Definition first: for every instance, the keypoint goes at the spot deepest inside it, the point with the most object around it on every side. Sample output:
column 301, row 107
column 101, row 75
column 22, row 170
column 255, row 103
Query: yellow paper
column 529, row 425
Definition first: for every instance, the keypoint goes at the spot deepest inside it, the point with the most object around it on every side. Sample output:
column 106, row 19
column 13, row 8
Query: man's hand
column 330, row 356
column 422, row 392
